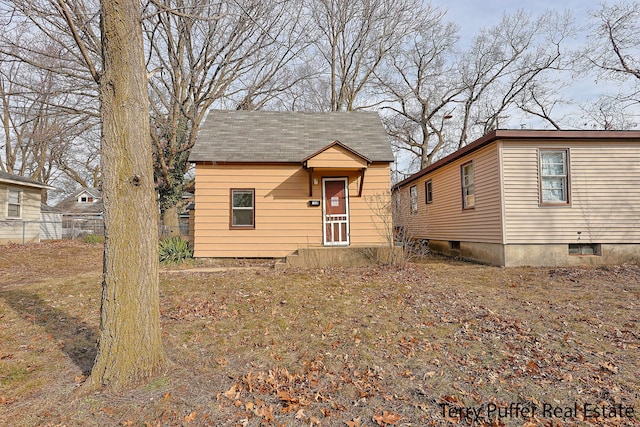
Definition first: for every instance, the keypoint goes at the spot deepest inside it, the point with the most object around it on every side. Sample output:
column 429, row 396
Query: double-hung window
column 468, row 186
column 242, row 208
column 14, row 207
column 554, row 177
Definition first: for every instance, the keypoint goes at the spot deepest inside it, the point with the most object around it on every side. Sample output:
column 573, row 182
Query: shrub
column 93, row 238
column 174, row 250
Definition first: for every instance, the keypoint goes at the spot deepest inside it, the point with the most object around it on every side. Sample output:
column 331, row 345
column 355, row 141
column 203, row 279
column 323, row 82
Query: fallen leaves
column 353, row 423
column 191, row 417
column 386, row 418
column 360, row 347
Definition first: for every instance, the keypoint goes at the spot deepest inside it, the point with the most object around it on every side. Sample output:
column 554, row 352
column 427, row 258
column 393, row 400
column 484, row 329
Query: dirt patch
column 435, row 343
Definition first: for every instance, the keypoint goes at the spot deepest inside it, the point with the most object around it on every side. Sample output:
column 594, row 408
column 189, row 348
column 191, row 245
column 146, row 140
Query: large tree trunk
column 130, row 346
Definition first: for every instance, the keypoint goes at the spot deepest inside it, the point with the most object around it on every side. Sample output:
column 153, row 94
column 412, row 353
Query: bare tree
column 39, row 124
column 441, row 97
column 540, row 100
column 607, row 113
column 421, row 81
column 354, row 38
column 203, row 52
column 49, row 102
column 503, row 62
column 613, row 46
column 611, row 56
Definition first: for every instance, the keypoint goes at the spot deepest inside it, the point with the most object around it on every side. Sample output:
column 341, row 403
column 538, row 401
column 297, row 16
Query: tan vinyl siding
column 604, row 197
column 336, row 157
column 27, row 227
column 444, row 218
column 284, row 221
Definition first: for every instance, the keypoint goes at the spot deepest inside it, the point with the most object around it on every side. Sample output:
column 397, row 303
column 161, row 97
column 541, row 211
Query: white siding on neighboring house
column 604, row 194
column 26, row 227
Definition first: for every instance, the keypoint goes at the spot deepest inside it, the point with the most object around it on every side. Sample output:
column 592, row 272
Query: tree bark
column 130, row 346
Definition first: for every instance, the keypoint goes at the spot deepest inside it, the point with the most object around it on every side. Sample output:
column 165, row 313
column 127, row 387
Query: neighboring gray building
column 20, row 201
column 82, row 213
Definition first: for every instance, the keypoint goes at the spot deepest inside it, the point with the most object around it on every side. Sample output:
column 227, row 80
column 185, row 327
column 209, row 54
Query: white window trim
column 19, row 204
column 566, row 178
column 251, row 208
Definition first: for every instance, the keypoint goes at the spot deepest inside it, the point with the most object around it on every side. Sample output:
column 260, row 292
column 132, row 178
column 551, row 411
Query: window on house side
column 14, row 208
column 468, row 186
column 428, row 191
column 413, row 196
column 554, row 177
column 242, row 208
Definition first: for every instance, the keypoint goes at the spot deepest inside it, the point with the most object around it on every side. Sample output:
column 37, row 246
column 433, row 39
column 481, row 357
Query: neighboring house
column 20, row 200
column 530, row 197
column 82, row 213
column 270, row 183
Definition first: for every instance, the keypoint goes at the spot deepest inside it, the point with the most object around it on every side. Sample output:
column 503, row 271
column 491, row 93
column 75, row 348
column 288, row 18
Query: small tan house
column 530, row 197
column 270, row 183
column 20, row 201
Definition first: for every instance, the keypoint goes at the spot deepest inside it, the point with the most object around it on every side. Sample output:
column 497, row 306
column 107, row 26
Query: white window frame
column 547, row 180
column 251, row 208
column 18, row 204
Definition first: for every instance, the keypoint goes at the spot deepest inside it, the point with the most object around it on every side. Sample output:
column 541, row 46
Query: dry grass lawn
column 435, row 343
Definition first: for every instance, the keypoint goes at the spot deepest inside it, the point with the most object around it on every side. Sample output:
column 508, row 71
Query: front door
column 335, row 211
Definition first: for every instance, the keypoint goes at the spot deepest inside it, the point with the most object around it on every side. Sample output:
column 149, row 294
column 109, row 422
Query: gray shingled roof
column 17, row 179
column 70, row 204
column 272, row 136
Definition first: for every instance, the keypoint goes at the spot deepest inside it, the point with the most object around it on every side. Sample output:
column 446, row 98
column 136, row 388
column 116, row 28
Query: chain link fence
column 30, row 231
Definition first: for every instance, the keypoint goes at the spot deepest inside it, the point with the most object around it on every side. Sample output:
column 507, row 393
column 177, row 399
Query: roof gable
column 71, row 204
column 336, row 154
column 288, row 137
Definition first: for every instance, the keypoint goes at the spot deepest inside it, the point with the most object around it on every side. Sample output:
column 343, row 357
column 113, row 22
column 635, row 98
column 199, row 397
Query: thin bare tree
column 47, row 109
column 204, row 54
column 354, row 38
column 611, row 56
column 421, row 81
column 502, row 63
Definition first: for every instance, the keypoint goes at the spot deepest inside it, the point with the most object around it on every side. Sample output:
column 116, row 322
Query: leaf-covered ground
column 435, row 343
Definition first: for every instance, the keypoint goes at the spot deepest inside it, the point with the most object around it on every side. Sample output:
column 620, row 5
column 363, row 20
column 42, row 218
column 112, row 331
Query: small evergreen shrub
column 174, row 250
column 93, row 238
